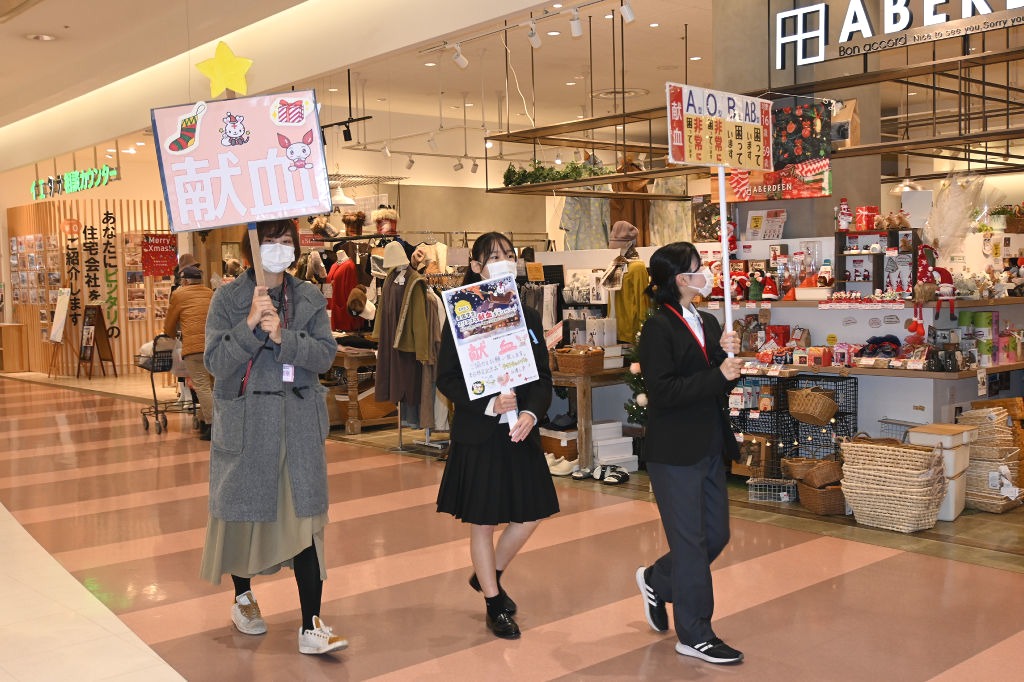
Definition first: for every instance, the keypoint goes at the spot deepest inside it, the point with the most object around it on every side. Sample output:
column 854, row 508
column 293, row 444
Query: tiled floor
column 123, row 510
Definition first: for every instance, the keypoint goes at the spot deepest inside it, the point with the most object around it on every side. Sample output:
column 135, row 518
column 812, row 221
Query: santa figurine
column 769, row 287
column 756, row 281
column 717, row 290
column 739, row 284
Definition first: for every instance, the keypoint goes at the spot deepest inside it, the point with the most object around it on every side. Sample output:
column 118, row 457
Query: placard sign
column 491, row 337
column 238, row 161
column 713, row 128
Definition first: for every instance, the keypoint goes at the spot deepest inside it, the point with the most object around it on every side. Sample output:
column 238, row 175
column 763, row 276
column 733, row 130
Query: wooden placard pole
column 257, row 261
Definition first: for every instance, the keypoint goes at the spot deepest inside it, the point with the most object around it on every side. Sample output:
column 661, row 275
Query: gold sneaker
column 245, row 614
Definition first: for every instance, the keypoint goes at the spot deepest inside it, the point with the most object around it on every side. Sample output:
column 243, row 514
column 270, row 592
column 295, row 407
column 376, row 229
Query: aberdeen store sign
column 899, row 25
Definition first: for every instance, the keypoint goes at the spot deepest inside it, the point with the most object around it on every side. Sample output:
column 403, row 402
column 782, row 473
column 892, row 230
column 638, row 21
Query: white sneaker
column 320, row 639
column 245, row 614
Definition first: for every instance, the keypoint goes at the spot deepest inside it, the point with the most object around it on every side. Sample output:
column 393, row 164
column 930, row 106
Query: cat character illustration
column 297, row 152
column 233, row 132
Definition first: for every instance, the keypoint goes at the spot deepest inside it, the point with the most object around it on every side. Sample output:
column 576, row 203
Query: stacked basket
column 891, row 485
column 995, row 462
column 816, row 484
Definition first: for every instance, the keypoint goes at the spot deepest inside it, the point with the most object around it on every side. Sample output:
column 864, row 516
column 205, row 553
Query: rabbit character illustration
column 234, row 131
column 297, row 152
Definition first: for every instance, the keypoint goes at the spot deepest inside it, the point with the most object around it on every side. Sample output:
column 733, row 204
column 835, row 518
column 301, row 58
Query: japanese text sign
column 712, row 128
column 243, row 160
column 491, row 337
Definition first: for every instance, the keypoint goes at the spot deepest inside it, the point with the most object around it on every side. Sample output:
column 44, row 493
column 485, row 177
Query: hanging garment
column 343, row 280
column 631, row 302
column 670, row 221
column 586, row 222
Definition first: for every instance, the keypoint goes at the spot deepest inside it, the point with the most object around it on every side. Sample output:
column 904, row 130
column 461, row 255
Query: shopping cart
column 161, row 360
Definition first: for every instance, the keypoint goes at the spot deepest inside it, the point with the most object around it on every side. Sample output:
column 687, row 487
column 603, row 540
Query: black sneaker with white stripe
column 654, row 607
column 713, row 651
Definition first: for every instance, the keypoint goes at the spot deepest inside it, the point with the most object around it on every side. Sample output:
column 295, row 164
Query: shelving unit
column 845, row 267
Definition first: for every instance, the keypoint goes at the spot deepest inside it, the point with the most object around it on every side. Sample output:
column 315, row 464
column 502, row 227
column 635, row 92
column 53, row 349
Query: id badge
column 288, row 373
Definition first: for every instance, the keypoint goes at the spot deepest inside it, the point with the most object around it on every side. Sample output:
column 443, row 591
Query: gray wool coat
column 246, row 441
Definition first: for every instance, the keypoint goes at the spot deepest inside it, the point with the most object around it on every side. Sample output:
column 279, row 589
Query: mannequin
column 630, row 299
column 343, row 279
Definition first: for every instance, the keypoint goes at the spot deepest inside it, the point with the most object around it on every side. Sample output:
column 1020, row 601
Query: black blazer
column 470, row 424
column 687, row 399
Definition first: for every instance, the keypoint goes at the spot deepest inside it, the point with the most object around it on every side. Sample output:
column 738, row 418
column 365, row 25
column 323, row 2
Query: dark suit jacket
column 686, row 408
column 470, row 424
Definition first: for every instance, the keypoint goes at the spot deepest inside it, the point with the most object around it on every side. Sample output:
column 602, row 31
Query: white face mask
column 499, row 268
column 709, row 282
column 277, row 257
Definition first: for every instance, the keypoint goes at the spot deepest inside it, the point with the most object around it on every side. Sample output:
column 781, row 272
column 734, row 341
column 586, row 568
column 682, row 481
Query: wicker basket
column 824, row 473
column 812, row 405
column 580, row 360
column 898, row 509
column 797, row 467
column 887, row 453
column 822, row 501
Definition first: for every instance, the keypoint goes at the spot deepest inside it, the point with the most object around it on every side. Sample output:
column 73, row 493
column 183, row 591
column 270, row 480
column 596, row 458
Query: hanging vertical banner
column 109, row 253
column 238, row 161
column 712, row 128
column 159, row 254
column 91, row 264
column 73, row 264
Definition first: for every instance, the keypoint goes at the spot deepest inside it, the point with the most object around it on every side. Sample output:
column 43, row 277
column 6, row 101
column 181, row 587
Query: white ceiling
column 100, row 42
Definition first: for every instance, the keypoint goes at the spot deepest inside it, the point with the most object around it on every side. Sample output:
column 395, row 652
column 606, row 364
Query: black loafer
column 503, row 626
column 507, row 604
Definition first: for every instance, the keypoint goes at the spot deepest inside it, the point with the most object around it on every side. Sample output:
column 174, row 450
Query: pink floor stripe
column 140, row 443
column 133, row 500
column 181, row 541
column 277, row 595
column 995, row 663
column 150, row 463
column 580, row 641
column 65, row 427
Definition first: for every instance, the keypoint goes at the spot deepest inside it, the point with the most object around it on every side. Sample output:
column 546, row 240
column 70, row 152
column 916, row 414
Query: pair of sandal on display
column 609, row 474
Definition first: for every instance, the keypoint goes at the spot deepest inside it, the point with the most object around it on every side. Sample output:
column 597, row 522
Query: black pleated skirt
column 497, row 482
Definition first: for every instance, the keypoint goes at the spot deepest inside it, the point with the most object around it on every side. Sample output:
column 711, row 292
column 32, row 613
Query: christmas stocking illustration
column 188, row 127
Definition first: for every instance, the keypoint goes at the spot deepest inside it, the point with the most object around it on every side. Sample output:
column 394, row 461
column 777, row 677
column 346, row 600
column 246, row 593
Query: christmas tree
column 636, row 407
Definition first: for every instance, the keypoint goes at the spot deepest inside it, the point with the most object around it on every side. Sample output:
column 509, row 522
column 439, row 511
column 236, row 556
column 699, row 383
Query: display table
column 584, row 385
column 352, row 360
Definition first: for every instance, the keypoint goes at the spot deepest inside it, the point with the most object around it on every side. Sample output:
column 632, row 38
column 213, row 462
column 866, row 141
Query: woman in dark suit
column 683, row 357
column 496, row 472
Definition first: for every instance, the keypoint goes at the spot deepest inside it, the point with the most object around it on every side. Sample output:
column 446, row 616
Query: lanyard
column 703, row 347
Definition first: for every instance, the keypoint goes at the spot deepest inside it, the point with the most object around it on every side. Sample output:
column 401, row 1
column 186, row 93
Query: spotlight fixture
column 432, row 143
column 475, row 167
column 532, row 36
column 460, row 60
column 458, row 165
column 346, row 134
column 489, row 144
column 575, row 25
column 558, row 159
column 386, row 151
column 410, row 163
column 627, row 12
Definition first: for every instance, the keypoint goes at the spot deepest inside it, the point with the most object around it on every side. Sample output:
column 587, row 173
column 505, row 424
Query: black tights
column 307, row 578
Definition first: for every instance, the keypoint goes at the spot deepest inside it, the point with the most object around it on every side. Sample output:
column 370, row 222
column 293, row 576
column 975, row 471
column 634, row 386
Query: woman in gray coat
column 266, row 347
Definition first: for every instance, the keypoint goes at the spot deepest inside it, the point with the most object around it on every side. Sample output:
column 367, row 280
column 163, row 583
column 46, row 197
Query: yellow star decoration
column 225, row 71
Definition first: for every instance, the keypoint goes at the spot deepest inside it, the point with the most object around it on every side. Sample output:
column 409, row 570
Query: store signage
column 239, row 161
column 808, row 29
column 73, row 181
column 159, row 254
column 712, row 128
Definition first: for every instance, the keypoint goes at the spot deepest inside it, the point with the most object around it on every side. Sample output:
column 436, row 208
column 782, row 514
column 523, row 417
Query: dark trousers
column 694, row 508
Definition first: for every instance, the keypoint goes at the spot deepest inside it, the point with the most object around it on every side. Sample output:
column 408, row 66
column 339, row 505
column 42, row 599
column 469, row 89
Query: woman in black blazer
column 688, row 374
column 496, row 472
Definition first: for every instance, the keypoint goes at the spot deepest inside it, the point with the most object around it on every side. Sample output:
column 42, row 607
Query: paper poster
column 494, row 345
column 766, row 224
column 236, row 161
column 159, row 254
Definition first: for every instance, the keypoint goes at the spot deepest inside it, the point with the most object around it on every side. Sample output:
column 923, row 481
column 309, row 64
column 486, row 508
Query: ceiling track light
column 627, row 12
column 458, row 165
column 575, row 25
column 410, row 163
column 475, row 167
column 432, row 142
column 339, row 198
column 558, row 159
column 346, row 134
column 533, row 36
column 458, row 58
column 386, row 150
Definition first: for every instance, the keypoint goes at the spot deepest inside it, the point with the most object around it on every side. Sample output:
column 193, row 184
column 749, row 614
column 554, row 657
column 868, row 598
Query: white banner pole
column 726, row 288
